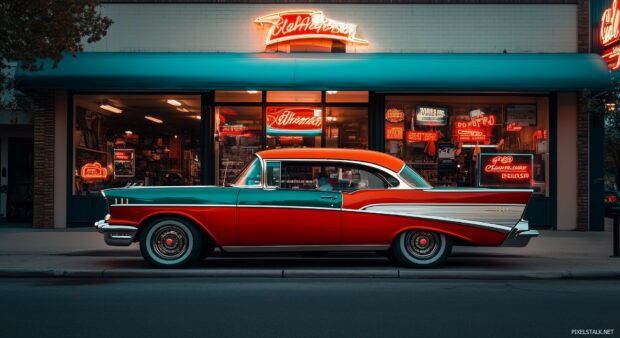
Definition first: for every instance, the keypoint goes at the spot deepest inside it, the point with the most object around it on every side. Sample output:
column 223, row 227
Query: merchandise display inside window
column 470, row 141
column 285, row 119
column 146, row 140
column 238, row 137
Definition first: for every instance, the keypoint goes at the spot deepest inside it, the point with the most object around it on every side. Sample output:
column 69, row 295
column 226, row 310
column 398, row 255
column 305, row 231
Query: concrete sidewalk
column 26, row 252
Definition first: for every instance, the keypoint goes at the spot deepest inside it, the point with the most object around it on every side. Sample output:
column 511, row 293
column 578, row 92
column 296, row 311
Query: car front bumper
column 116, row 235
column 520, row 235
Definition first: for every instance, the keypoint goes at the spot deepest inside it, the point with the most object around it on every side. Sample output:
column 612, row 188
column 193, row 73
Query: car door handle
column 329, row 197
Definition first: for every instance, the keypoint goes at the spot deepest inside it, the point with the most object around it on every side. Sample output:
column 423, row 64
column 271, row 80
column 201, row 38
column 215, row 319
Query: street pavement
column 27, row 252
column 306, row 307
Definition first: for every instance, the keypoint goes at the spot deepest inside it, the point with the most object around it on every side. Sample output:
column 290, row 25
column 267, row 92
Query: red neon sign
column 307, row 24
column 421, row 136
column 394, row 133
column 506, row 170
column 93, row 171
column 514, row 127
column 609, row 35
column 394, row 115
column 233, row 130
column 471, row 134
column 294, row 121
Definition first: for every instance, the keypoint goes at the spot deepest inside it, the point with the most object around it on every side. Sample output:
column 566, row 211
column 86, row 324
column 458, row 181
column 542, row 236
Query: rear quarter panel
column 481, row 217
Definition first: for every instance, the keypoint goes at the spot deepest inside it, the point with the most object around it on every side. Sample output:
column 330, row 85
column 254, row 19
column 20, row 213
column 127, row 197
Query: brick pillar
column 583, row 26
column 583, row 172
column 43, row 120
column 583, row 124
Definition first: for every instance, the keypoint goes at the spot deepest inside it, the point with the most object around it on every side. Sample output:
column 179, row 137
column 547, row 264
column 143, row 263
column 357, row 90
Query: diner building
column 185, row 92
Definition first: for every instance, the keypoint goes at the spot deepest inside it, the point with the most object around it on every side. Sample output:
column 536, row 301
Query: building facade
column 185, row 93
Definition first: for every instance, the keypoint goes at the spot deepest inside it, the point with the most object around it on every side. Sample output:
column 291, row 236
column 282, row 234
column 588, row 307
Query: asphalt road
column 61, row 307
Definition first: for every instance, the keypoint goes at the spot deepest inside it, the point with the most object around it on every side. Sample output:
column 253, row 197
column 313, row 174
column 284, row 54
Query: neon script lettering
column 307, row 24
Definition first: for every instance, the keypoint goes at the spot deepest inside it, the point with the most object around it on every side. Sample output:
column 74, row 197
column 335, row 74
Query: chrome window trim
column 401, row 186
column 290, row 207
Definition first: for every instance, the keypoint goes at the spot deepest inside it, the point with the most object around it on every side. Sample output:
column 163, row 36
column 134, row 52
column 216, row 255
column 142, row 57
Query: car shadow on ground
column 131, row 259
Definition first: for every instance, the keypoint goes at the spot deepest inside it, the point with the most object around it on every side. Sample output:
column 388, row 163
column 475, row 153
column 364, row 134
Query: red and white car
column 295, row 200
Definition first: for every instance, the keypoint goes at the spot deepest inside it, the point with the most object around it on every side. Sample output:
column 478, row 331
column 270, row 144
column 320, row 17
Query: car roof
column 387, row 161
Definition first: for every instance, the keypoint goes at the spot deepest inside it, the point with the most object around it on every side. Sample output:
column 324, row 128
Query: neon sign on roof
column 609, row 35
column 307, row 24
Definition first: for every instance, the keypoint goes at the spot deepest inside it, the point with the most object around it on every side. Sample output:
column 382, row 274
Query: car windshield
column 250, row 176
column 413, row 178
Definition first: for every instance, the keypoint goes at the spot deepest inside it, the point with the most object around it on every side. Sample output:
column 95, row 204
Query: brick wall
column 43, row 120
column 583, row 125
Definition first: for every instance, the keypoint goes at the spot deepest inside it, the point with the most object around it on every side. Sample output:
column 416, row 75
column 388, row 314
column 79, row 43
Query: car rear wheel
column 171, row 243
column 422, row 248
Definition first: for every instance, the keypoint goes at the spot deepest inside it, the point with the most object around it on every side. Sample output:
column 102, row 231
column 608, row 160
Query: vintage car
column 316, row 200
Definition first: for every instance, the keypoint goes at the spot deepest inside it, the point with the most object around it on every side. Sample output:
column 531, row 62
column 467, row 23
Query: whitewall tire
column 422, row 248
column 171, row 243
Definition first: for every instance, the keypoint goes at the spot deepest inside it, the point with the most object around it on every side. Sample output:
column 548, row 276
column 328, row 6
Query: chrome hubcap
column 170, row 242
column 422, row 244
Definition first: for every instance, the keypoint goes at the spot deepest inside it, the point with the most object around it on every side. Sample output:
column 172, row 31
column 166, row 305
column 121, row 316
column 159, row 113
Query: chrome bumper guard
column 116, row 235
column 520, row 235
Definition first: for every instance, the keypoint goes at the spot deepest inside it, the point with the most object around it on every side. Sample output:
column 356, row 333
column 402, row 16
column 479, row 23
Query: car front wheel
column 422, row 248
column 171, row 243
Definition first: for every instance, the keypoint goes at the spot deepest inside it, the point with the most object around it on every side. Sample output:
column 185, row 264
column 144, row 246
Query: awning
column 312, row 71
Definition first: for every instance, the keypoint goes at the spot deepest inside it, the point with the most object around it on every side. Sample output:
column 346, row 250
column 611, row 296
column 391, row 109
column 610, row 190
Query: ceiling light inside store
column 153, row 119
column 128, row 132
column 252, row 91
column 197, row 117
column 111, row 108
column 331, row 119
column 183, row 110
column 174, row 102
column 332, row 92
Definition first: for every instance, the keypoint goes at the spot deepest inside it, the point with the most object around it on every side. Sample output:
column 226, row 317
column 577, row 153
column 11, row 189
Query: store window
column 470, row 141
column 246, row 124
column 237, row 137
column 146, row 140
column 346, row 127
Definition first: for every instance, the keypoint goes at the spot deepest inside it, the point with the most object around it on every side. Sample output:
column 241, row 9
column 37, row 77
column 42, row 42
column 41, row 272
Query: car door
column 288, row 210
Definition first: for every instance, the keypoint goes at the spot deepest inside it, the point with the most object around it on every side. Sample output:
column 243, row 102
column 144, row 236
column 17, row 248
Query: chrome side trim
column 116, row 235
column 289, row 207
column 174, row 205
column 482, row 225
column 500, row 214
column 478, row 190
column 305, row 248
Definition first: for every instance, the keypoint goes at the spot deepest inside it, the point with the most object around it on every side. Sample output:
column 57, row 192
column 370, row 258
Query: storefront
column 466, row 111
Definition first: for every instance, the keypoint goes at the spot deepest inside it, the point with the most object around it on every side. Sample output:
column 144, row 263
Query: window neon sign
column 502, row 170
column 421, row 136
column 609, row 35
column 93, row 171
column 233, row 130
column 307, row 24
column 394, row 115
column 394, row 133
column 294, row 121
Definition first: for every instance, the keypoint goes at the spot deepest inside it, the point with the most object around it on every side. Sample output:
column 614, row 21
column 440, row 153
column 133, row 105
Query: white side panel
column 390, row 28
column 500, row 214
column 567, row 162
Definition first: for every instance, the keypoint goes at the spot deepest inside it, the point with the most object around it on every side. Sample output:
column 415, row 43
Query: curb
column 309, row 273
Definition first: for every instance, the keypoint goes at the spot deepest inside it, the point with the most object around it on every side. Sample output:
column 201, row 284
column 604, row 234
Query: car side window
column 274, row 176
column 329, row 176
